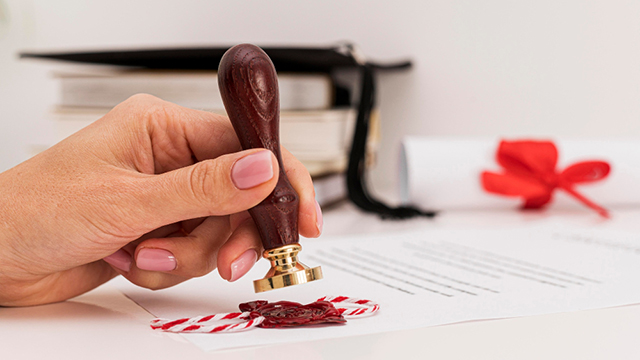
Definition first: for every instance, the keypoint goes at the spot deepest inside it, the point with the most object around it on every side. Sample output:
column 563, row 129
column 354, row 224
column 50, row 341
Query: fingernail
column 155, row 260
column 120, row 260
column 252, row 170
column 243, row 264
column 319, row 222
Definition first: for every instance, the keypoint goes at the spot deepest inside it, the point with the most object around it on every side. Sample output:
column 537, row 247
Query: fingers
column 170, row 136
column 177, row 135
column 164, row 262
column 190, row 256
column 238, row 255
column 225, row 185
column 309, row 213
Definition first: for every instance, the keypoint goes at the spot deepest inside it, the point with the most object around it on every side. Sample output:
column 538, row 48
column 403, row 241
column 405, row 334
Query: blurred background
column 542, row 68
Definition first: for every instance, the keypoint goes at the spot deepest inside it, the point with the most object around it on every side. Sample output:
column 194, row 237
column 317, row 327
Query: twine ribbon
column 219, row 323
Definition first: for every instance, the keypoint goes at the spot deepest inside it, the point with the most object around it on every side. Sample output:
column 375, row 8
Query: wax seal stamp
column 249, row 88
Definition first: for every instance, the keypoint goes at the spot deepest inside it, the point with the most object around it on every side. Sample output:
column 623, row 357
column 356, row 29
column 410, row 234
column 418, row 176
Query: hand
column 158, row 191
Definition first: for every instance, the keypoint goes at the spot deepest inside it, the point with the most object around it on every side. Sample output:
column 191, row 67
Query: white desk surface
column 104, row 324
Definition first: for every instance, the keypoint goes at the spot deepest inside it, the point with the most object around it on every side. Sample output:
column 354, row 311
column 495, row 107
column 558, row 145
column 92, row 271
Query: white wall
column 490, row 67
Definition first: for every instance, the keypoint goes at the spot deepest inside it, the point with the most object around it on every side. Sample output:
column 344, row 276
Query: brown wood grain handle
column 249, row 88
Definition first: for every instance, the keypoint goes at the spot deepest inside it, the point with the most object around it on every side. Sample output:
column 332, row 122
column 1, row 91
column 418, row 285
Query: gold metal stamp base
column 286, row 270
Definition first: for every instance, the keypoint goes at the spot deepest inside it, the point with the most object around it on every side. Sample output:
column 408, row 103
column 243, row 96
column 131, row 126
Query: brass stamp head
column 286, row 270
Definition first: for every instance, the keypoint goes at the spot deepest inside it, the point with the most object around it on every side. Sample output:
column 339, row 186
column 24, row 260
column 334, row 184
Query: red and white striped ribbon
column 208, row 324
column 218, row 323
column 354, row 308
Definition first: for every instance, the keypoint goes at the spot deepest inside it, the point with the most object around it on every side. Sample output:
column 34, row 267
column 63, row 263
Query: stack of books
column 313, row 127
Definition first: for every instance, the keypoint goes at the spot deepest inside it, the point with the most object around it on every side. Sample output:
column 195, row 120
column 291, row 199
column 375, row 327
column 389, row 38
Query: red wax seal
column 289, row 314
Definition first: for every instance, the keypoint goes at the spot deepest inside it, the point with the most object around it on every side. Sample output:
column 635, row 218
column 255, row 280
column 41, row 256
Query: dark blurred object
column 289, row 59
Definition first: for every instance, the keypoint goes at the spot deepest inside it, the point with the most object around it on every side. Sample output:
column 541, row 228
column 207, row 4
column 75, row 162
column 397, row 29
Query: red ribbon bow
column 530, row 173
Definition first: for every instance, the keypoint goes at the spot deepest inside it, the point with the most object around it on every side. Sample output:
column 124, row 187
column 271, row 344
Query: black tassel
column 356, row 174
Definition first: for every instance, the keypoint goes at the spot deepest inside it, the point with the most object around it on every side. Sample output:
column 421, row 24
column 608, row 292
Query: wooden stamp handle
column 249, row 88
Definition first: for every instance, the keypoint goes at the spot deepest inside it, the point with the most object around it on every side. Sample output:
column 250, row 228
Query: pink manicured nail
column 252, row 170
column 155, row 260
column 119, row 260
column 243, row 264
column 319, row 222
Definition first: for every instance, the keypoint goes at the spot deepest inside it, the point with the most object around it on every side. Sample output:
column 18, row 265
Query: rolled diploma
column 444, row 173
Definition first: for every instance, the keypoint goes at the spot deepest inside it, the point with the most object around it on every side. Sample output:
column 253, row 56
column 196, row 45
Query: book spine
column 297, row 92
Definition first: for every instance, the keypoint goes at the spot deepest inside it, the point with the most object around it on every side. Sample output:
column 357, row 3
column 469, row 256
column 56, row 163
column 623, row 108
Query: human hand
column 158, row 191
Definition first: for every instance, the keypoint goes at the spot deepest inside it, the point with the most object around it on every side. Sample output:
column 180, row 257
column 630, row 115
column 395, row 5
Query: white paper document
column 427, row 278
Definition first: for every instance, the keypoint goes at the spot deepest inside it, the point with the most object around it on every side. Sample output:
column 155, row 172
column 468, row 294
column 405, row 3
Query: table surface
column 105, row 324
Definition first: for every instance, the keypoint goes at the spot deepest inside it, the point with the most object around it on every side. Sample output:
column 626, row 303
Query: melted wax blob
column 289, row 314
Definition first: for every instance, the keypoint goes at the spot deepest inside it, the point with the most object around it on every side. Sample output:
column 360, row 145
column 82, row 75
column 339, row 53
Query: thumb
column 225, row 185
